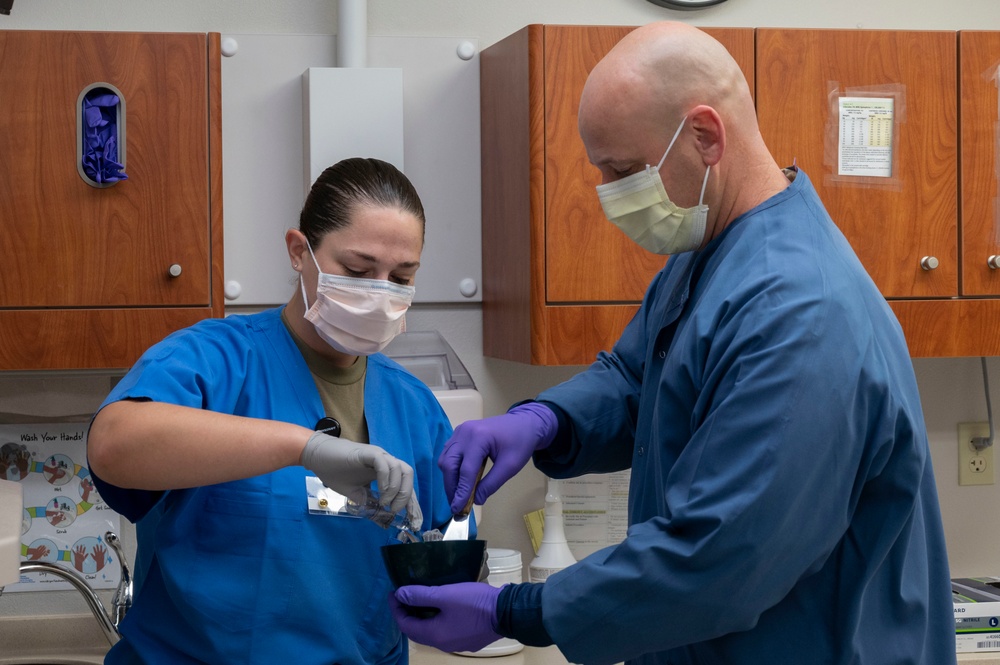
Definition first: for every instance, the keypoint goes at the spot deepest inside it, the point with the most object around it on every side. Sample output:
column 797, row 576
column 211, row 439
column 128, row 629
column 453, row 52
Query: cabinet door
column 85, row 281
column 979, row 53
column 894, row 222
column 68, row 244
column 588, row 260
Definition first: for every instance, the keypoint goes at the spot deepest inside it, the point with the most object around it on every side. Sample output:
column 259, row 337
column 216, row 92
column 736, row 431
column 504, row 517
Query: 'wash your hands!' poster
column 64, row 518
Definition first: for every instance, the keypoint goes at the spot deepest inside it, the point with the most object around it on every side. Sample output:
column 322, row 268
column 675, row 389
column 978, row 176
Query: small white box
column 977, row 614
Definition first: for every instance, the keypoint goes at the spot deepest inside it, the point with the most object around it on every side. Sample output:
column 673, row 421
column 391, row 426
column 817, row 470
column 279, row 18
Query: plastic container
column 505, row 568
column 11, row 507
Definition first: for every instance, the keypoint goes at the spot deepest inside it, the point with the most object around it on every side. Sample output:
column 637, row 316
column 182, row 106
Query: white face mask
column 639, row 206
column 358, row 317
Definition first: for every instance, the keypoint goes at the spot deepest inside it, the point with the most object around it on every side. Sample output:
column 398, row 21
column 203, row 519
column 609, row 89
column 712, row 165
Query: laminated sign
column 64, row 518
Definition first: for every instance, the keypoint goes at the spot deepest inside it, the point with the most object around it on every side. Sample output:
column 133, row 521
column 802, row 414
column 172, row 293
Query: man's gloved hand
column 348, row 468
column 467, row 621
column 509, row 440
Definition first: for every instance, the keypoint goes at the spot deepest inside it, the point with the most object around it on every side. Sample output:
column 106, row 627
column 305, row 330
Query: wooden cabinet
column 979, row 131
column 86, row 275
column 560, row 282
column 893, row 223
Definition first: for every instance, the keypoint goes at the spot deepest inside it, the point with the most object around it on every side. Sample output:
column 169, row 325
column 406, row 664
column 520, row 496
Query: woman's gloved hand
column 467, row 620
column 509, row 440
column 349, row 468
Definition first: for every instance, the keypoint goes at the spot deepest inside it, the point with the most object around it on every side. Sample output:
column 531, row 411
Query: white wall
column 951, row 389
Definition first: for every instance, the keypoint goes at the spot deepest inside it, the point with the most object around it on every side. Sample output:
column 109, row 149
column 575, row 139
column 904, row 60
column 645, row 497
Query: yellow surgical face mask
column 640, row 207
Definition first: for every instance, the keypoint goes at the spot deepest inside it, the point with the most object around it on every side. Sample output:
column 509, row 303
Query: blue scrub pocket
column 243, row 570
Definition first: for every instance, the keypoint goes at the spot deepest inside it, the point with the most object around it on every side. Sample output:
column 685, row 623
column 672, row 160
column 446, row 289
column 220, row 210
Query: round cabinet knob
column 468, row 287
column 993, row 262
column 929, row 262
column 175, row 270
column 232, row 290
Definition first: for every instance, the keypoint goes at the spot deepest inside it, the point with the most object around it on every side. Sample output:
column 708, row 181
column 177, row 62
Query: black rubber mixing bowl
column 434, row 563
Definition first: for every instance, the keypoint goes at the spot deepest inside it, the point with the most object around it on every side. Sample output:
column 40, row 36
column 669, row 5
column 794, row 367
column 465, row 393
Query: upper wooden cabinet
column 560, row 282
column 979, row 130
column 86, row 277
column 903, row 224
column 892, row 222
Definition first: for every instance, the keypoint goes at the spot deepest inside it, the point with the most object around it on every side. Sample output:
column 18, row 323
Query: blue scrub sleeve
column 519, row 614
column 130, row 504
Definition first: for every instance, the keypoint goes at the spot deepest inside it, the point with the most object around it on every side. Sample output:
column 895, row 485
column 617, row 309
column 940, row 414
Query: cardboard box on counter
column 977, row 613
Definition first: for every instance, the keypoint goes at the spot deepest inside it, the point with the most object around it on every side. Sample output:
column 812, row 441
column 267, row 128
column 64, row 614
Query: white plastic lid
column 498, row 559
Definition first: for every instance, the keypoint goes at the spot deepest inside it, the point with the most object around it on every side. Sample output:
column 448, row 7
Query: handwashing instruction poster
column 64, row 518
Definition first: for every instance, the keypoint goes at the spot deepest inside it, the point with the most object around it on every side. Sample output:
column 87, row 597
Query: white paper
column 865, row 145
column 64, row 518
column 595, row 511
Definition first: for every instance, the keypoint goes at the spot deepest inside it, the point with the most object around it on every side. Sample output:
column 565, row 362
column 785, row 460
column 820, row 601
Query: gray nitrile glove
column 349, row 468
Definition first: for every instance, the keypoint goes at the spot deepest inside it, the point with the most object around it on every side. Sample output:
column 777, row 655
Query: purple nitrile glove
column 467, row 620
column 509, row 440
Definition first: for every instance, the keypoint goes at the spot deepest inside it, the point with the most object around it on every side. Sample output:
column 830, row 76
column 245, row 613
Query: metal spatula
column 458, row 527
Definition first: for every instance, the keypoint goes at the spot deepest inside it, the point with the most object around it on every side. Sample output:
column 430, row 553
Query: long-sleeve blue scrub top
column 782, row 505
column 241, row 572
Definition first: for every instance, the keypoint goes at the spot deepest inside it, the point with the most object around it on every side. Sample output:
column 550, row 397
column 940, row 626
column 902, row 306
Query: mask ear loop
column 676, row 134
column 302, row 282
column 704, row 183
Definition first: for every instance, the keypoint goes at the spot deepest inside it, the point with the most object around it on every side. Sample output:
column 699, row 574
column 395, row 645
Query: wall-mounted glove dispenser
column 100, row 144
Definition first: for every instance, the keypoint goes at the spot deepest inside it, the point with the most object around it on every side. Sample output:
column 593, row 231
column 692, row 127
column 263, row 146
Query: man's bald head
column 662, row 70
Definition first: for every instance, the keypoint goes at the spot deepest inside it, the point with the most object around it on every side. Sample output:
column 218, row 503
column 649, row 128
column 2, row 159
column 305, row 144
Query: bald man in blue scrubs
column 782, row 505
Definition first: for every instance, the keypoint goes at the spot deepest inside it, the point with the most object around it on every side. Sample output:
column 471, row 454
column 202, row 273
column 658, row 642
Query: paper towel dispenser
column 429, row 357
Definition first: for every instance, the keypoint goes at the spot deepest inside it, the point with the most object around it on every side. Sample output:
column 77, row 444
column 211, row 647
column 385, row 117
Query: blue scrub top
column 240, row 572
column 782, row 506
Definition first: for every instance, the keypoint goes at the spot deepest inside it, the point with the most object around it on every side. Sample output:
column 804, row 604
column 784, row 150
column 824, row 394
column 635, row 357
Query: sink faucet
column 121, row 602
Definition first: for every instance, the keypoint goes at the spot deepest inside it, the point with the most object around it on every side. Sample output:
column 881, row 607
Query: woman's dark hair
column 351, row 183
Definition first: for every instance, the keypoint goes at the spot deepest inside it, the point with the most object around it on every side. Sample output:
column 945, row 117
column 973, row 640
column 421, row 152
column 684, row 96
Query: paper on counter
column 595, row 513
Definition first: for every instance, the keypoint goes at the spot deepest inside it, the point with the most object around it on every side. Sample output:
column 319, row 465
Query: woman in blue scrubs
column 209, row 442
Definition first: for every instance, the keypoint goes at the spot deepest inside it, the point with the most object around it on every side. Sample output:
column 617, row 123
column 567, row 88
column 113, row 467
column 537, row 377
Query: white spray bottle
column 553, row 553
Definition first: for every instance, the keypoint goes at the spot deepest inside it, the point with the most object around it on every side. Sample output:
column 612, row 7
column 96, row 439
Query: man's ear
column 710, row 133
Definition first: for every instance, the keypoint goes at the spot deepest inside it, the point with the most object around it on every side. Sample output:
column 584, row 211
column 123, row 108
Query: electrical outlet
column 975, row 467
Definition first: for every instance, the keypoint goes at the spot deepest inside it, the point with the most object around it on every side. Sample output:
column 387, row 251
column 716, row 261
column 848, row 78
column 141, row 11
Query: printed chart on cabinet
column 64, row 518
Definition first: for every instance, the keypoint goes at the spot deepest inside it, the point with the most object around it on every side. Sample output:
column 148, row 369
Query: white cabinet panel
column 263, row 157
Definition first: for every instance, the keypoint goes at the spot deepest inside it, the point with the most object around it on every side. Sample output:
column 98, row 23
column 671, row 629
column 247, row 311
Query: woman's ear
column 710, row 133
column 298, row 248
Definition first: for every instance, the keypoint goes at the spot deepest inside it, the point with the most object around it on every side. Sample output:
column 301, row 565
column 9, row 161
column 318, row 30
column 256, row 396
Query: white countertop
column 424, row 655
column 992, row 658
column 78, row 640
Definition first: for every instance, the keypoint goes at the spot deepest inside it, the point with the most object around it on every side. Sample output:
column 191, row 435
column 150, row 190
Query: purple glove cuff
column 548, row 424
